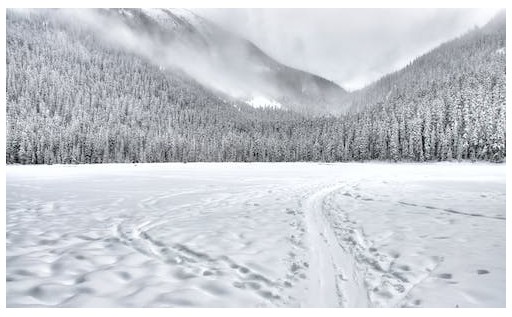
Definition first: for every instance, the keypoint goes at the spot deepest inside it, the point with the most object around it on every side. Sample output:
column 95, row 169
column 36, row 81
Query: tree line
column 72, row 98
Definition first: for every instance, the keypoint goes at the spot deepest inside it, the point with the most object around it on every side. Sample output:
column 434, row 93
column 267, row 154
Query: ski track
column 148, row 250
column 334, row 280
column 453, row 211
column 133, row 230
column 380, row 281
column 194, row 263
column 346, row 270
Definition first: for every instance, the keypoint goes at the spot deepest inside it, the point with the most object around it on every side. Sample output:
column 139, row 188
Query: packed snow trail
column 256, row 235
column 334, row 280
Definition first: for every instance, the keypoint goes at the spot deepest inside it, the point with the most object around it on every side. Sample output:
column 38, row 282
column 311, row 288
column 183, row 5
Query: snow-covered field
column 256, row 235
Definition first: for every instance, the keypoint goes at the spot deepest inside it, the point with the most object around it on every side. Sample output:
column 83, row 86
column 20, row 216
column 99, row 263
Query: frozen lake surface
column 256, row 235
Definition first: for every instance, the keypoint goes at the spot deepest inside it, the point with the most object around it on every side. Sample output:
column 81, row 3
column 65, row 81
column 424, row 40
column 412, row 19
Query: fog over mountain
column 215, row 57
column 160, row 85
column 352, row 47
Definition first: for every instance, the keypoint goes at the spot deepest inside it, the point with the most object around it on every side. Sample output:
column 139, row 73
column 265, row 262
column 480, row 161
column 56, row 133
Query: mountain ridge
column 224, row 52
column 76, row 96
column 382, row 88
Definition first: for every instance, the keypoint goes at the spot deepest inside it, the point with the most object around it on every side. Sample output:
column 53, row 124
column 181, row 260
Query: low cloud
column 352, row 47
column 205, row 64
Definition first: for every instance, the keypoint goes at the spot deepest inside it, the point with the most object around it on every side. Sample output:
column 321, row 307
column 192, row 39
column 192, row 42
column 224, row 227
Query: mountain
column 448, row 103
column 216, row 58
column 98, row 86
column 468, row 54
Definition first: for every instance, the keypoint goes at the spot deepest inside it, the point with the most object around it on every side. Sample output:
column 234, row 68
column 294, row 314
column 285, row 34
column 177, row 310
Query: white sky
column 352, row 47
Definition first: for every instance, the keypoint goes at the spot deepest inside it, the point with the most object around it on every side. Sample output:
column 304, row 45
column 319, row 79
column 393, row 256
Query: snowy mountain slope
column 104, row 86
column 477, row 53
column 223, row 61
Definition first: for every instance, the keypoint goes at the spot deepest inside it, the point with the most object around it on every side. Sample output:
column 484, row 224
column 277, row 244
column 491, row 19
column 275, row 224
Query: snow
column 162, row 17
column 125, row 12
column 263, row 102
column 157, row 14
column 167, row 19
column 256, row 235
column 185, row 14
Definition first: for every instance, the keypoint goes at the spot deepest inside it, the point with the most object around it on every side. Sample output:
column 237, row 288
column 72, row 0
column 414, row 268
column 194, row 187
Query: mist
column 205, row 61
column 352, row 47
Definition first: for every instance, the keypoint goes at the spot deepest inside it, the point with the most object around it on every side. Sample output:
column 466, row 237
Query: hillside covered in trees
column 74, row 98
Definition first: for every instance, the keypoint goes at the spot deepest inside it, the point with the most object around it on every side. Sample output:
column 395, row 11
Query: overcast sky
column 352, row 47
